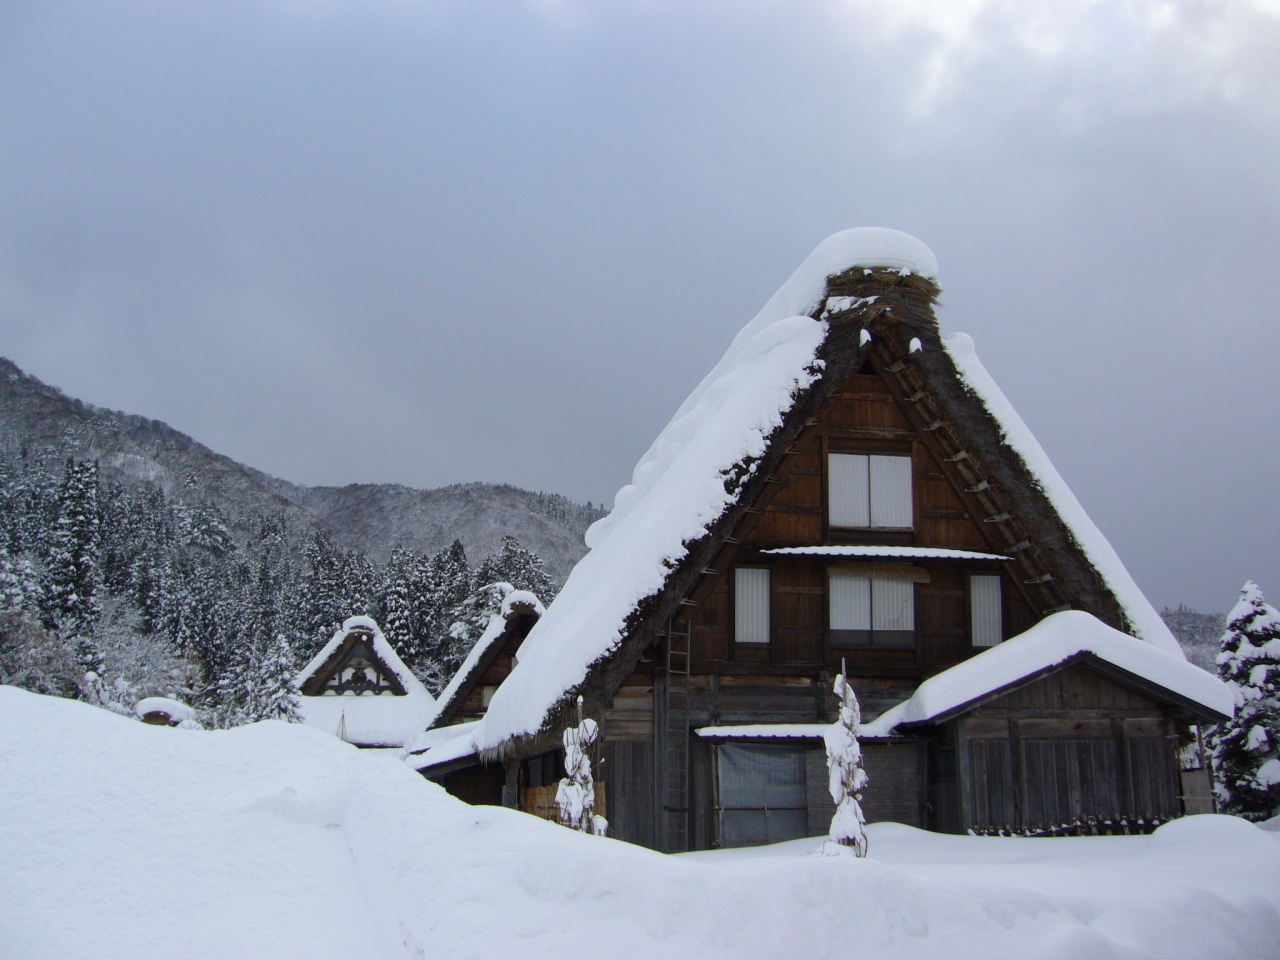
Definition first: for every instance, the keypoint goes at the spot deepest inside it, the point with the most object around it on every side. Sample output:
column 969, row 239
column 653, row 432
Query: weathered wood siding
column 629, row 777
column 1070, row 746
column 863, row 418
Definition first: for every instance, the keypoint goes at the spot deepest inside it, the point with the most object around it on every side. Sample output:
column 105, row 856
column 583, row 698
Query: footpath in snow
column 279, row 841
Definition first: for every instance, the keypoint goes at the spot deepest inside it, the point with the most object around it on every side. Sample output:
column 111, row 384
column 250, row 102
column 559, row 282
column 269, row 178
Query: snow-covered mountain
column 40, row 422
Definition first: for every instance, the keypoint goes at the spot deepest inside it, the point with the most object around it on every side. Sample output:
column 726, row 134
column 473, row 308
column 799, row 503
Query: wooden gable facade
column 468, row 697
column 886, row 526
column 353, row 667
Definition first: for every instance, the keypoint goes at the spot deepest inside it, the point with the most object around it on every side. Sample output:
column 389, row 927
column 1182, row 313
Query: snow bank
column 122, row 840
column 1051, row 641
column 677, row 490
column 1143, row 619
column 381, row 719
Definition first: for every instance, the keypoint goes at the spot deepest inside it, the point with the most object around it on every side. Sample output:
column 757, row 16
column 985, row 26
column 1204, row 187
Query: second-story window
column 986, row 619
column 751, row 605
column 870, row 491
column 872, row 612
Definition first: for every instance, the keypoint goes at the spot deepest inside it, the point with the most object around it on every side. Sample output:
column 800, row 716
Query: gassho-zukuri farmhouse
column 846, row 486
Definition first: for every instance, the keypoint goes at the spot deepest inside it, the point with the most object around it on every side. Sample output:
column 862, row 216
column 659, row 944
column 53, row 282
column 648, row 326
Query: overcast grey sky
column 430, row 242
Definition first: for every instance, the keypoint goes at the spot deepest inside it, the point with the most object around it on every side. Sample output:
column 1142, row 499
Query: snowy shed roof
column 685, row 490
column 1054, row 641
column 383, row 719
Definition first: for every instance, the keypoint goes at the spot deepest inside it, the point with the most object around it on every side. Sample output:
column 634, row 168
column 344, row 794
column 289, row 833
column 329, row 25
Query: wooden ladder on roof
column 675, row 806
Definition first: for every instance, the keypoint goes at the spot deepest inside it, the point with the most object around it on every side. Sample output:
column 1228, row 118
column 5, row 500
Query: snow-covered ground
column 120, row 839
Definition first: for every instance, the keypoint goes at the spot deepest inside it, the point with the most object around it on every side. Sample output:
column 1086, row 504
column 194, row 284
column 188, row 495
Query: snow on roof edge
column 1143, row 619
column 1052, row 641
column 883, row 552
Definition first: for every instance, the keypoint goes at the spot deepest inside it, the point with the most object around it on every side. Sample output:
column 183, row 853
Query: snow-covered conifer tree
column 576, row 795
column 73, row 565
column 844, row 768
column 397, row 602
column 450, row 580
column 275, row 692
column 468, row 620
column 1246, row 748
column 517, row 566
column 19, row 585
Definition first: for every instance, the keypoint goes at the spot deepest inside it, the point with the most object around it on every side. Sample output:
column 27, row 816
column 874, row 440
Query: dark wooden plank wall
column 865, row 419
column 895, row 781
column 1070, row 745
column 817, row 787
column 473, row 705
column 628, row 776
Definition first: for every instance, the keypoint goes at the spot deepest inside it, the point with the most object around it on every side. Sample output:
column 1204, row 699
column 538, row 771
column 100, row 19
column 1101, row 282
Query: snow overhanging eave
column 1197, row 711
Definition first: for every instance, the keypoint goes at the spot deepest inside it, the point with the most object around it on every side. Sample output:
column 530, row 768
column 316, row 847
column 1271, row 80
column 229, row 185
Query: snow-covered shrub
column 1246, row 748
column 36, row 659
column 844, row 768
column 576, row 796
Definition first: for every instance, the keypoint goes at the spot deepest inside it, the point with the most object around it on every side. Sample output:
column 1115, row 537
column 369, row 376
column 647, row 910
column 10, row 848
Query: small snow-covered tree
column 275, row 692
column 1246, row 748
column 36, row 659
column 576, row 795
column 844, row 769
column 19, row 585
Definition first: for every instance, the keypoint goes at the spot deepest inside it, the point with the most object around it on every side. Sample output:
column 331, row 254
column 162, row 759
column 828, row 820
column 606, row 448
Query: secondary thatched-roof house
column 847, row 485
column 358, row 689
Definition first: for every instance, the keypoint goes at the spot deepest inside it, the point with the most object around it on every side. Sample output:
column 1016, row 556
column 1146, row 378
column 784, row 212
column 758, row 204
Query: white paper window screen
column 848, row 485
column 850, row 602
column 869, row 491
column 893, row 605
column 986, row 616
column 890, row 491
column 751, row 605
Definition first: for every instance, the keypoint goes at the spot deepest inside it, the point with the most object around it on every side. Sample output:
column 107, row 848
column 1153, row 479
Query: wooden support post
column 511, row 789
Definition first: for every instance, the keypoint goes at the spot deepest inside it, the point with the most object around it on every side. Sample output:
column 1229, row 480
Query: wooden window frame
column 834, row 447
column 871, row 572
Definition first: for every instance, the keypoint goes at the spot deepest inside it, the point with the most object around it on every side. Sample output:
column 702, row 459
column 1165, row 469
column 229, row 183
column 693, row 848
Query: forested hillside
column 136, row 562
column 39, row 423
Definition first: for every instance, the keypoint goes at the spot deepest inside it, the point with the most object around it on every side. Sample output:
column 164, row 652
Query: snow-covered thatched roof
column 1056, row 640
column 367, row 720
column 687, row 485
column 515, row 603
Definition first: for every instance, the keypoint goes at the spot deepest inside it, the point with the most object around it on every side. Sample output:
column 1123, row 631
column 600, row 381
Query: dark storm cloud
column 438, row 242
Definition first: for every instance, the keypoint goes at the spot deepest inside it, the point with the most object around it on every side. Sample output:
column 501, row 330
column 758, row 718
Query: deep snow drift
column 125, row 840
